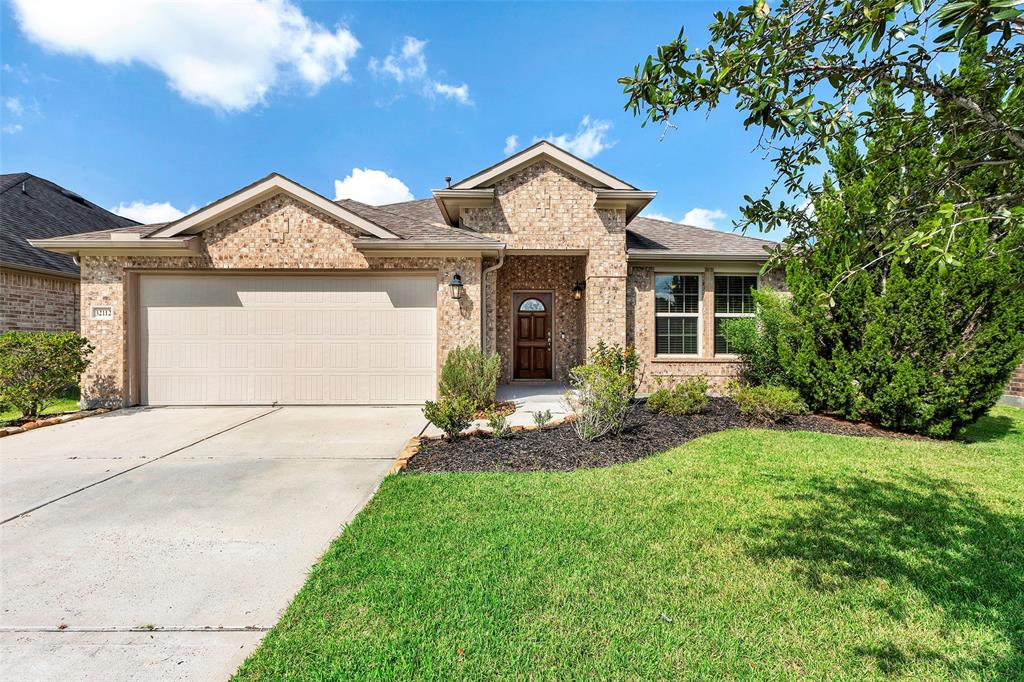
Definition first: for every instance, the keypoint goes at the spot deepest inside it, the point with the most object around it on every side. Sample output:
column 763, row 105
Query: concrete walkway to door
column 162, row 543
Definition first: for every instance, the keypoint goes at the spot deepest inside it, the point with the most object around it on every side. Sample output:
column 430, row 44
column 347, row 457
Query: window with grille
column 733, row 299
column 677, row 303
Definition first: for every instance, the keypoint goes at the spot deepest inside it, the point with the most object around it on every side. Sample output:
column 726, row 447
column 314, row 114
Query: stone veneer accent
column 279, row 233
column 640, row 328
column 36, row 302
column 557, row 274
column 544, row 207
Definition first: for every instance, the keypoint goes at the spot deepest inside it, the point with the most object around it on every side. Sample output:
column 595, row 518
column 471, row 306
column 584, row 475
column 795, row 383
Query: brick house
column 39, row 289
column 277, row 294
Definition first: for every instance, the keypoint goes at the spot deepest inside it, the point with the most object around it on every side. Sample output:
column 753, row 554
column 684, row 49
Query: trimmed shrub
column 498, row 423
column 603, row 391
column 36, row 367
column 470, row 373
column 767, row 404
column 760, row 342
column 542, row 417
column 451, row 415
column 689, row 396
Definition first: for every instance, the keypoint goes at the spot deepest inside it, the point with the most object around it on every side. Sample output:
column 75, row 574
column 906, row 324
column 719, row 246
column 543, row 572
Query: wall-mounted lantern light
column 456, row 286
column 577, row 291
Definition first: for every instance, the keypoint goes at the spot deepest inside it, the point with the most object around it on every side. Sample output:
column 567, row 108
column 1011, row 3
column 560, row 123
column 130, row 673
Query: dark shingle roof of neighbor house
column 653, row 237
column 34, row 208
column 644, row 236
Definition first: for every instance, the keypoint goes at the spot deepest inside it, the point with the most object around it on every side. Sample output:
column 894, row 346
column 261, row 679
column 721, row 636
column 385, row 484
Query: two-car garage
column 242, row 339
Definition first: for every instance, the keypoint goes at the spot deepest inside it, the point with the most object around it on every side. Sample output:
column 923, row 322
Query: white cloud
column 19, row 71
column 698, row 217
column 704, row 217
column 409, row 62
column 374, row 187
column 511, row 144
column 459, row 93
column 658, row 216
column 225, row 55
column 148, row 213
column 409, row 65
column 588, row 141
column 12, row 129
column 14, row 106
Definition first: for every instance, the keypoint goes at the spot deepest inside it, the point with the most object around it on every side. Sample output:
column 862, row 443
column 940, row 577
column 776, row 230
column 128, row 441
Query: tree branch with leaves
column 803, row 73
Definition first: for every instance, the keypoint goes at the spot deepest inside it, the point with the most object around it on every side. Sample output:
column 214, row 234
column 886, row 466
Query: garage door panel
column 215, row 339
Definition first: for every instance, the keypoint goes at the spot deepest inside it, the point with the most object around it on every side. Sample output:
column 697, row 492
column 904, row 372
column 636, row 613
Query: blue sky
column 182, row 104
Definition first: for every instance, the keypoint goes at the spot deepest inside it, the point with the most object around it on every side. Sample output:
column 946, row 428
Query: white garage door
column 261, row 339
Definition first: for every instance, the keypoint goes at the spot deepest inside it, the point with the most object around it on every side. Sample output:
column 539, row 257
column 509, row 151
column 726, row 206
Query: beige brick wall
column 36, row 302
column 640, row 328
column 545, row 207
column 557, row 274
column 279, row 233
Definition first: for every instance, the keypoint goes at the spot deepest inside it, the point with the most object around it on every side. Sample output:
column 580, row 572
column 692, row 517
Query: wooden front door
column 532, row 336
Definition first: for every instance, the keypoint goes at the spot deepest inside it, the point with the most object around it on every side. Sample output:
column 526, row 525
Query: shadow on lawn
column 930, row 534
column 990, row 428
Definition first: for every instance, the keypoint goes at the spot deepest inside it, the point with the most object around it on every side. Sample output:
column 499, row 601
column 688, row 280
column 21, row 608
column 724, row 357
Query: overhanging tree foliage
column 802, row 72
column 903, row 344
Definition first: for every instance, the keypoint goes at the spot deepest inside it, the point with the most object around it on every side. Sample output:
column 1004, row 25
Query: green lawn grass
column 746, row 554
column 66, row 402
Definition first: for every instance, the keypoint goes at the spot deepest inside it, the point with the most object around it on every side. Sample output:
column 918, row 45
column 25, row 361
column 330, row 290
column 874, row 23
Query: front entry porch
column 534, row 319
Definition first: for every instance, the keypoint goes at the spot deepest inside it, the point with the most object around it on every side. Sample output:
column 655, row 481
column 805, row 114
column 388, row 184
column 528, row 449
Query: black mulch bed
column 559, row 449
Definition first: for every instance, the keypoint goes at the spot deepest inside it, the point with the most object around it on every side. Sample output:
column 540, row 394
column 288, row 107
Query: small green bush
column 689, row 396
column 603, row 391
column 761, row 341
column 451, row 415
column 541, row 417
column 498, row 423
column 767, row 404
column 470, row 373
column 35, row 367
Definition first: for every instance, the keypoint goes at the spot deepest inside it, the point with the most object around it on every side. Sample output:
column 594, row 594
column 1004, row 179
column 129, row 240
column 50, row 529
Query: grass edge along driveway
column 747, row 554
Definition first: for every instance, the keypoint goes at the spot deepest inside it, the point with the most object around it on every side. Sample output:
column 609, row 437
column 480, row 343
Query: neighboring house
column 39, row 289
column 277, row 294
column 1014, row 394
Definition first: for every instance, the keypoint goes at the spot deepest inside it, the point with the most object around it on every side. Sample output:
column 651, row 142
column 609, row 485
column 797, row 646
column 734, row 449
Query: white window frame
column 699, row 315
column 729, row 316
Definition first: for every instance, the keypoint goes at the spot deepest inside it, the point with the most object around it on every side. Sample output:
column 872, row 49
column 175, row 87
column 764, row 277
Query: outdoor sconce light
column 456, row 287
column 577, row 291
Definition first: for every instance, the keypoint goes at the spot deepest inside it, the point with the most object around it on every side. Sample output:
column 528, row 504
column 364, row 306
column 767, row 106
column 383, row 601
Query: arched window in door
column 531, row 305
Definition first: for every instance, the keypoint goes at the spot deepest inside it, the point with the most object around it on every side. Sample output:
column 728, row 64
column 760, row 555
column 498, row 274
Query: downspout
column 483, row 297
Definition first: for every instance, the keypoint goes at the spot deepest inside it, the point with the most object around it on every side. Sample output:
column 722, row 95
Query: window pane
column 531, row 305
column 732, row 293
column 676, row 293
column 722, row 345
column 675, row 336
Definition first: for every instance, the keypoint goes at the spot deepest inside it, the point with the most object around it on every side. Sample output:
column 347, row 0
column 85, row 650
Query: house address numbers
column 101, row 312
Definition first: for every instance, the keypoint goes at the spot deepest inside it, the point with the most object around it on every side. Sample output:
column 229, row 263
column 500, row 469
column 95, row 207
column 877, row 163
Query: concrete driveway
column 162, row 543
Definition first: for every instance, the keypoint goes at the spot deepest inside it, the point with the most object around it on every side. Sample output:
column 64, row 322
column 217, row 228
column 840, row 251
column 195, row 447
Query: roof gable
column 542, row 150
column 260, row 191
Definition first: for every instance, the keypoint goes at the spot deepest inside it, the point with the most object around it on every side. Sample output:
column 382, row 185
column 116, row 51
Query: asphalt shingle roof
column 649, row 236
column 35, row 208
column 644, row 236
column 414, row 223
